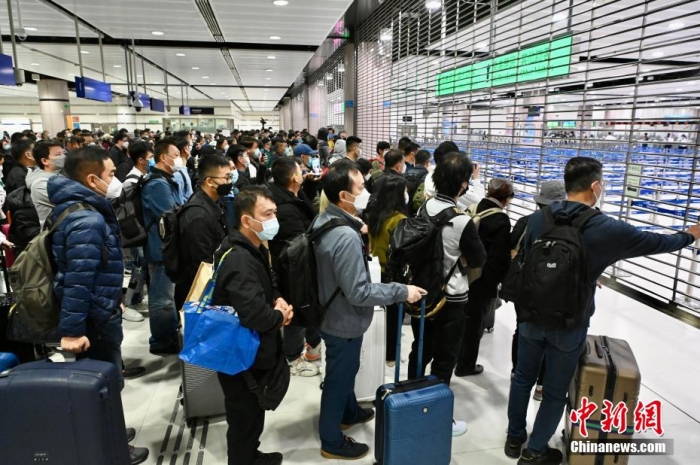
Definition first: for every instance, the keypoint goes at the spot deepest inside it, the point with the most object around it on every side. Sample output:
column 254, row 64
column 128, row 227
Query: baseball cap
column 304, row 149
column 550, row 192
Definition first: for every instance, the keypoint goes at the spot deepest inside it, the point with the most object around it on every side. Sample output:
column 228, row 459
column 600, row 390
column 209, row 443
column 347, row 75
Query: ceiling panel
column 43, row 18
column 197, row 67
column 301, row 22
column 252, row 66
column 177, row 19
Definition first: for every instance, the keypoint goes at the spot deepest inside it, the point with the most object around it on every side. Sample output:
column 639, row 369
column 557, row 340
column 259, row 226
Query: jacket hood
column 36, row 174
column 64, row 192
column 565, row 208
column 281, row 195
column 340, row 148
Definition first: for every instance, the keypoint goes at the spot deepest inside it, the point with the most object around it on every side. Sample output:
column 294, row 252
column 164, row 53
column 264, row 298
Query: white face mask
column 361, row 200
column 599, row 199
column 126, row 145
column 114, row 188
column 179, row 165
column 359, row 153
column 403, row 169
column 405, row 197
column 257, row 153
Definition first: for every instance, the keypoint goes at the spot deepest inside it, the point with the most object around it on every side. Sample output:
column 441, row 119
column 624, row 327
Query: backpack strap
column 583, row 217
column 489, row 212
column 331, row 224
column 71, row 209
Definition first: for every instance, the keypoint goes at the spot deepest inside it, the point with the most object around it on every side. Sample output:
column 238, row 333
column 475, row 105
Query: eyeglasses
column 229, row 177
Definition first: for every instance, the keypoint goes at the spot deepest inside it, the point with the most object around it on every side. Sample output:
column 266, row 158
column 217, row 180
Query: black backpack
column 129, row 211
column 555, row 289
column 297, row 276
column 416, row 256
column 169, row 231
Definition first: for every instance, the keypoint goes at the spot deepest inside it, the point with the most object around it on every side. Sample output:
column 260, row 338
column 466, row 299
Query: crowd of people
column 250, row 193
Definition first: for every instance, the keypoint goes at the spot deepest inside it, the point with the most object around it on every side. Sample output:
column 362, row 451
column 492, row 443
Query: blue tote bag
column 214, row 337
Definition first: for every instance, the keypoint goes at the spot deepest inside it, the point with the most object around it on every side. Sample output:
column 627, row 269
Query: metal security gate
column 524, row 86
column 326, row 99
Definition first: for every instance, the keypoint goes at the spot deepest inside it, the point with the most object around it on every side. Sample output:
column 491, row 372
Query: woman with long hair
column 390, row 208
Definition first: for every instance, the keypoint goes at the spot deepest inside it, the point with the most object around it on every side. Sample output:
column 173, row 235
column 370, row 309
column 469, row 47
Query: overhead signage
column 157, row 105
column 534, row 63
column 201, row 110
column 349, row 104
column 92, row 89
column 7, row 71
column 184, row 110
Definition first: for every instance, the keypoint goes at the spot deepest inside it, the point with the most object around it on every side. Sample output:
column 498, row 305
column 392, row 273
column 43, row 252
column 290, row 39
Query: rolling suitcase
column 607, row 370
column 8, row 361
column 202, row 395
column 62, row 413
column 414, row 418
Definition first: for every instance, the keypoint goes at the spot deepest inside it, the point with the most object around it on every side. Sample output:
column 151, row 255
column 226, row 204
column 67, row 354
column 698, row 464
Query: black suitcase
column 62, row 413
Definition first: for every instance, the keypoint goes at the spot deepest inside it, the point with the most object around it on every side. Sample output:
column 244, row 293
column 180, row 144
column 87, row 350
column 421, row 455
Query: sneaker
column 477, row 370
column 459, row 428
column 130, row 434
column 313, row 354
column 137, row 455
column 538, row 392
column 514, row 446
column 364, row 416
column 550, row 457
column 350, row 450
column 130, row 314
column 133, row 372
column 141, row 306
column 172, row 350
column 273, row 458
column 301, row 367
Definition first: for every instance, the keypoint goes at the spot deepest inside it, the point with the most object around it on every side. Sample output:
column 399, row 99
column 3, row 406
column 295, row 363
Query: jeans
column 245, row 419
column 441, row 342
column 139, row 278
column 514, row 358
column 338, row 402
column 562, row 348
column 473, row 329
column 106, row 342
column 163, row 317
column 293, row 341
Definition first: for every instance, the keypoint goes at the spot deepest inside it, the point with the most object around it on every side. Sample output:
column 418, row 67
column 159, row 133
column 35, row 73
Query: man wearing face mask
column 257, row 161
column 354, row 148
column 50, row 159
column 181, row 176
column 606, row 241
column 22, row 161
column 279, row 150
column 160, row 194
column 202, row 222
column 246, row 281
column 395, row 166
column 120, row 157
column 86, row 249
column 343, row 273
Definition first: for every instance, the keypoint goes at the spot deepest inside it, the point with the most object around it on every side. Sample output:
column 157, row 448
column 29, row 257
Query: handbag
column 214, row 337
column 271, row 388
column 510, row 286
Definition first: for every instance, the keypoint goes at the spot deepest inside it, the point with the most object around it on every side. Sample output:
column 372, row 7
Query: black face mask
column 222, row 190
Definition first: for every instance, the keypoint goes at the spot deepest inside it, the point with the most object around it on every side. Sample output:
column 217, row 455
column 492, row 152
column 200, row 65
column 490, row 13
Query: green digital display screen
column 534, row 63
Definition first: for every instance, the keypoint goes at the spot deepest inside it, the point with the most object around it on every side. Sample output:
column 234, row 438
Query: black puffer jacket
column 247, row 283
column 24, row 224
column 294, row 214
column 494, row 232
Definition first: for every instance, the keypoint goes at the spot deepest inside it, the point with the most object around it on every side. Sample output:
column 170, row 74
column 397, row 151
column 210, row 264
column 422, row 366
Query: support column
column 349, row 88
column 54, row 106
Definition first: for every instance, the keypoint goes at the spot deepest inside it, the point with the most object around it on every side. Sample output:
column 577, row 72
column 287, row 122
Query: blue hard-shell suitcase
column 7, row 361
column 62, row 413
column 414, row 418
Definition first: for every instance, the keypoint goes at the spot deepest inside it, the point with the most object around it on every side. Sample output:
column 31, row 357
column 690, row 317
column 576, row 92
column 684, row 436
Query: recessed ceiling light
column 268, row 79
column 212, row 84
column 269, row 70
column 658, row 54
column 676, row 25
column 156, row 82
column 139, row 75
column 275, row 37
column 71, row 74
column 35, row 64
column 179, row 54
column 559, row 17
column 271, row 57
column 84, row 52
column 280, row 2
column 31, row 29
column 679, row 89
column 267, row 85
column 195, row 67
column 116, row 66
column 205, row 77
column 158, row 33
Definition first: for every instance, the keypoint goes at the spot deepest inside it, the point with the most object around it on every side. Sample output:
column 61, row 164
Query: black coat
column 243, row 179
column 122, row 162
column 15, row 178
column 202, row 229
column 494, row 232
column 379, row 181
column 247, row 283
column 294, row 214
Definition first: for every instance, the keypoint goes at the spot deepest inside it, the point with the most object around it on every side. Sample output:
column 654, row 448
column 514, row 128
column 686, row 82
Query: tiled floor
column 667, row 352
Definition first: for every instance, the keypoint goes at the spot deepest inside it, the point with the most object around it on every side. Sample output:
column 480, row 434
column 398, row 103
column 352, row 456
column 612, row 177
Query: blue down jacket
column 87, row 251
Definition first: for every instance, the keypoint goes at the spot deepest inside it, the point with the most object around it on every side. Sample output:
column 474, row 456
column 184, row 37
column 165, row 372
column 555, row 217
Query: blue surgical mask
column 151, row 163
column 234, row 176
column 270, row 229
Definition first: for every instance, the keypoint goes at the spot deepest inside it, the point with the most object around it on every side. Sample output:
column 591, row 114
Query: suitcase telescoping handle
column 419, row 364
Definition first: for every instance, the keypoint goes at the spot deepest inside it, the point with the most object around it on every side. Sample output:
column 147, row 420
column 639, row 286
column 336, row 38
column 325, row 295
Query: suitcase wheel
column 320, row 386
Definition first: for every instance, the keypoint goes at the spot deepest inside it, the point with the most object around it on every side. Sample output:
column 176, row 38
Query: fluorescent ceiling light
column 271, row 57
column 679, row 89
column 433, row 4
column 559, row 17
column 267, row 85
column 158, row 33
column 116, row 66
column 35, row 64
column 85, row 52
column 31, row 29
column 268, row 79
column 269, row 70
column 156, row 82
column 275, row 37
column 205, row 77
column 280, row 2
column 658, row 54
column 676, row 25
column 195, row 67
column 179, row 54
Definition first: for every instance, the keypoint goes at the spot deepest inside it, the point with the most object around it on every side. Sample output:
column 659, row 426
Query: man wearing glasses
column 202, row 221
